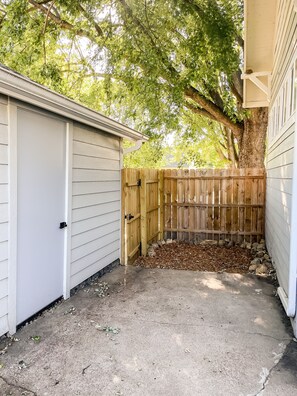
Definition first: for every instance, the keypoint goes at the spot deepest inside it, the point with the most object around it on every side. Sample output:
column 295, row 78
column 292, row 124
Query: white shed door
column 41, row 208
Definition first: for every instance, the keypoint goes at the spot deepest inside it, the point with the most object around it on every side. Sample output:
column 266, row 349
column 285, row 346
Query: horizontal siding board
column 282, row 229
column 86, row 225
column 279, row 198
column 92, row 269
column 277, row 209
column 95, row 210
column 284, row 143
column 3, row 251
column 3, row 134
column 3, row 288
column 3, row 269
column 280, row 259
column 3, row 306
column 96, row 194
column 81, row 201
column 95, row 233
column 3, row 325
column 3, row 232
column 3, row 114
column 93, row 246
column 90, row 135
column 94, row 257
column 84, row 162
column 95, row 187
column 282, row 159
column 94, row 175
column 3, row 193
column 284, row 172
column 3, row 173
column 3, row 212
column 3, row 154
column 283, row 185
column 90, row 150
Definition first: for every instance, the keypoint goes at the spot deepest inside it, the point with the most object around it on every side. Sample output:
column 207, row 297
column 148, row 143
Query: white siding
column 3, row 216
column 95, row 228
column 280, row 153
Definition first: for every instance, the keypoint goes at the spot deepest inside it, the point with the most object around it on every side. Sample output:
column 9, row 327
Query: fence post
column 161, row 203
column 143, row 217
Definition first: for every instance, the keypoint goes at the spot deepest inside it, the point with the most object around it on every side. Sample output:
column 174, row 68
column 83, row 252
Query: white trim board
column 12, row 241
column 19, row 87
column 68, row 210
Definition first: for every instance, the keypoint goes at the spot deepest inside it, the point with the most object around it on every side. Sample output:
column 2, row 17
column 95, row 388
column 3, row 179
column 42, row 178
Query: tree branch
column 198, row 110
column 237, row 86
column 214, row 110
column 59, row 21
column 149, row 35
column 91, row 19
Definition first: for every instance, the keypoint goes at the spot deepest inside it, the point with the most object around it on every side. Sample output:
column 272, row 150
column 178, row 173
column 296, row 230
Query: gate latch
column 129, row 216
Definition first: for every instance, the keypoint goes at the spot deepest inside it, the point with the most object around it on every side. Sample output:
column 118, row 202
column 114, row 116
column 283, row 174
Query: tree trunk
column 252, row 144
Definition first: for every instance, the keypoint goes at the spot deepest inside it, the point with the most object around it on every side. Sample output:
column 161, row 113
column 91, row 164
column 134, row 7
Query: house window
column 291, row 91
column 295, row 85
column 284, row 104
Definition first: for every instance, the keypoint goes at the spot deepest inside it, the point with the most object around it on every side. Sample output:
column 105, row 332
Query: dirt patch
column 184, row 256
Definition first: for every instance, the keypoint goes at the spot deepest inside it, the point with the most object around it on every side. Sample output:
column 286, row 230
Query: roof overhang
column 259, row 19
column 22, row 88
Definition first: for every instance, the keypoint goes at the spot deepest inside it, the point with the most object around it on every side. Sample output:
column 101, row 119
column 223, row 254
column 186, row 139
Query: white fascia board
column 19, row 87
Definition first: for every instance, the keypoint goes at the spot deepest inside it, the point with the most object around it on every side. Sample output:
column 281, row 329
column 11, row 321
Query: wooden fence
column 190, row 205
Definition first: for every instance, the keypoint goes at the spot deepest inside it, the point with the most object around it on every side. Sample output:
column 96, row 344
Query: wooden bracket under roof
column 262, row 81
column 260, row 24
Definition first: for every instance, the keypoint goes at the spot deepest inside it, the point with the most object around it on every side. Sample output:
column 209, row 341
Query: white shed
column 60, row 195
column 271, row 55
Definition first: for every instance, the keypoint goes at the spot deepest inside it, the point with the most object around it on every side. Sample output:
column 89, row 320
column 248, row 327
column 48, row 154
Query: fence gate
column 142, row 211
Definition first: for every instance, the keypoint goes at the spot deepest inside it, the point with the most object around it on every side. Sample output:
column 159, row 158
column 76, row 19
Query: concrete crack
column 17, row 386
column 266, row 374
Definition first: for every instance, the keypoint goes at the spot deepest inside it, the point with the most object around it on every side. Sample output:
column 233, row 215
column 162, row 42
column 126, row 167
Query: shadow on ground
column 157, row 332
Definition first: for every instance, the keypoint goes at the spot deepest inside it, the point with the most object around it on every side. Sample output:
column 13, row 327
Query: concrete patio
column 157, row 332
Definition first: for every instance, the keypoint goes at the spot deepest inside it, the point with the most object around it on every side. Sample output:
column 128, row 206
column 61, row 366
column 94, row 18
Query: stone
column 151, row 252
column 255, row 261
column 267, row 257
column 221, row 242
column 262, row 241
column 155, row 245
column 168, row 241
column 260, row 254
column 255, row 245
column 253, row 267
column 243, row 245
column 260, row 246
column 262, row 269
column 209, row 242
column 249, row 246
column 230, row 244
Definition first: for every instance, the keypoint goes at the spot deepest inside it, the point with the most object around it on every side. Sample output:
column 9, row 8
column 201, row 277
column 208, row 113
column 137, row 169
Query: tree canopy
column 159, row 66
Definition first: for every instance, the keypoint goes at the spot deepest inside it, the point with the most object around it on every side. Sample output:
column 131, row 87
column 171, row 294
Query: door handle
column 63, row 225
